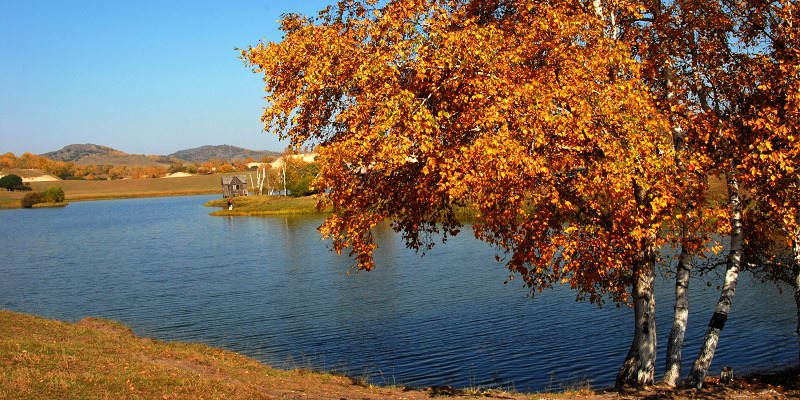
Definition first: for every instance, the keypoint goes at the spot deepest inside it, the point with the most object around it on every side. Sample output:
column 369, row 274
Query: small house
column 235, row 185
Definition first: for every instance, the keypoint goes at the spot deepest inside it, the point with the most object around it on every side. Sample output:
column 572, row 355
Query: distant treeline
column 71, row 170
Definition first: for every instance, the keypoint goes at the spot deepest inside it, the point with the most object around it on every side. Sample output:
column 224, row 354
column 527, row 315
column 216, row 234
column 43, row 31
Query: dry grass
column 101, row 359
column 131, row 188
column 7, row 201
column 50, row 205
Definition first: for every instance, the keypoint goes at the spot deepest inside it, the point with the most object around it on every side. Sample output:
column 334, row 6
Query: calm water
column 269, row 288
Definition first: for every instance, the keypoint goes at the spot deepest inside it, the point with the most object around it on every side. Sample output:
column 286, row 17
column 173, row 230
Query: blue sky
column 144, row 77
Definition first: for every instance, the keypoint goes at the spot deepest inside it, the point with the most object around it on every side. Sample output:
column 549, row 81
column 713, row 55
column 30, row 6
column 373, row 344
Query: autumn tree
column 720, row 67
column 772, row 160
column 534, row 114
column 300, row 176
column 175, row 167
column 8, row 160
column 716, row 69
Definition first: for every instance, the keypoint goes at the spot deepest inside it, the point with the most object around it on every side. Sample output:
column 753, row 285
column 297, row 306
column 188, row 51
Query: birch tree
column 532, row 113
column 739, row 48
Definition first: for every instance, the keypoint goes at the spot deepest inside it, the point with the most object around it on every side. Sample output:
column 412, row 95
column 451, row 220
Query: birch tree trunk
column 285, row 193
column 796, row 254
column 721, row 312
column 672, row 373
column 639, row 366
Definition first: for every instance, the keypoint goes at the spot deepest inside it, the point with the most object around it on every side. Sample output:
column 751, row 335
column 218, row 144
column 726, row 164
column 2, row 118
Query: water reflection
column 268, row 287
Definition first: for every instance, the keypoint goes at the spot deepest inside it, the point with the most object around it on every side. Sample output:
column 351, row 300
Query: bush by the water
column 54, row 195
column 32, row 198
column 51, row 195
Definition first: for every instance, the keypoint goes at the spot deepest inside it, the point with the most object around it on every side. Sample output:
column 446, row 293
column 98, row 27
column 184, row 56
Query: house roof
column 226, row 180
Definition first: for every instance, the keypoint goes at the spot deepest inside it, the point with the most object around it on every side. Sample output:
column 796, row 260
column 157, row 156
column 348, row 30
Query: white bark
column 703, row 361
column 639, row 366
column 285, row 193
column 258, row 184
column 672, row 373
column 261, row 180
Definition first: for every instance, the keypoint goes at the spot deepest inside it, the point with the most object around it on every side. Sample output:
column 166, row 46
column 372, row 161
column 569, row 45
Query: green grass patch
column 265, row 206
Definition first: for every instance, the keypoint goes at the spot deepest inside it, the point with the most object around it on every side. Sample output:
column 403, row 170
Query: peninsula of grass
column 50, row 205
column 265, row 206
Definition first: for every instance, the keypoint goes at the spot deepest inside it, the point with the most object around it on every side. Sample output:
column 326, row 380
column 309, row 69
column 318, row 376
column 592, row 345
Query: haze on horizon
column 147, row 77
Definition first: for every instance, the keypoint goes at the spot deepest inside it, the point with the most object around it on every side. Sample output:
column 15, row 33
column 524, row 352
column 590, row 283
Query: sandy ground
column 178, row 175
column 43, row 178
column 30, row 175
column 277, row 164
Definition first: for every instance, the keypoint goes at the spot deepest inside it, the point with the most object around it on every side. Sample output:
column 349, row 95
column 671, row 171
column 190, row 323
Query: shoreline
column 14, row 204
column 99, row 358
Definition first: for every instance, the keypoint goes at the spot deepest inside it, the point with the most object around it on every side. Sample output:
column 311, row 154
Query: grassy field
column 125, row 188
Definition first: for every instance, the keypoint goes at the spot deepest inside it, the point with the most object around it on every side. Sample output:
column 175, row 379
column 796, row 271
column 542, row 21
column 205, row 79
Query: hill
column 125, row 159
column 75, row 152
column 93, row 154
column 224, row 152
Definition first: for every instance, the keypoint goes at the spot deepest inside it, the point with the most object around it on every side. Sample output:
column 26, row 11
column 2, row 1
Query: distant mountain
column 74, row 152
column 224, row 152
column 93, row 154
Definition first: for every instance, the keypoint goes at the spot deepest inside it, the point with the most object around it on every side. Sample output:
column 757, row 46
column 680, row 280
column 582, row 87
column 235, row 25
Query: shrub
column 51, row 195
column 10, row 181
column 54, row 195
column 22, row 188
column 302, row 187
column 33, row 198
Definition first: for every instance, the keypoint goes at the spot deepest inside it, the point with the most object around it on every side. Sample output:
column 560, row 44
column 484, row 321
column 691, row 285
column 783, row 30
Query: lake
column 270, row 289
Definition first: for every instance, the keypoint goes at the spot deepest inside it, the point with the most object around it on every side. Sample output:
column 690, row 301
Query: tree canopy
column 421, row 107
column 582, row 133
